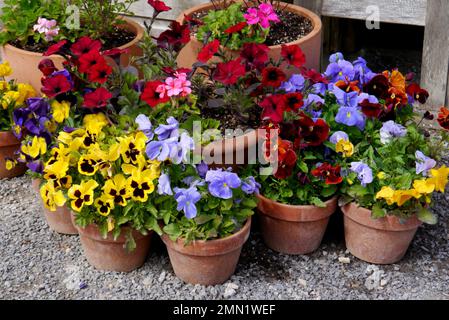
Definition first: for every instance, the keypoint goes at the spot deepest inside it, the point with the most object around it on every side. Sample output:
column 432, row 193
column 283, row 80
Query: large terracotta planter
column 207, row 262
column 310, row 44
column 378, row 241
column 9, row 145
column 111, row 255
column 25, row 63
column 293, row 230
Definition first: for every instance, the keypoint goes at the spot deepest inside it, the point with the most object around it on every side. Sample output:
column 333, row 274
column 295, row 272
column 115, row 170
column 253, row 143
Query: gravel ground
column 37, row 263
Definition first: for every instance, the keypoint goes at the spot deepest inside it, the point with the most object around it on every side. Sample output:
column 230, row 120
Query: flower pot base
column 60, row 221
column 9, row 145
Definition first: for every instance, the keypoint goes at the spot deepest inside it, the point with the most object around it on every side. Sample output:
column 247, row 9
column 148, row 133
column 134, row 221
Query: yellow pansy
column 61, row 111
column 9, row 98
column 51, row 197
column 381, row 175
column 132, row 147
column 440, row 178
column 141, row 185
column 402, row 196
column 4, row 86
column 94, row 123
column 10, row 164
column 82, row 194
column 88, row 165
column 117, row 188
column 37, row 147
column 424, row 186
column 5, row 69
column 387, row 194
column 104, row 205
column 56, row 170
column 345, row 147
column 25, row 92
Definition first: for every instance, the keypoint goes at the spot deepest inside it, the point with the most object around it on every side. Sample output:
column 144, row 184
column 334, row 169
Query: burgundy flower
column 396, row 98
column 273, row 77
column 378, row 86
column 84, row 45
column 230, row 72
column 47, row 67
column 100, row 73
column 192, row 22
column 55, row 49
column 97, row 99
column 417, row 93
column 443, row 118
column 169, row 71
column 294, row 55
column 293, row 101
column 311, row 133
column 159, row 6
column 314, row 76
column 175, row 37
column 56, row 85
column 236, row 28
column 287, row 159
column 371, row 110
column 208, row 51
column 90, row 60
column 254, row 54
column 331, row 175
column 273, row 108
column 150, row 96
column 115, row 52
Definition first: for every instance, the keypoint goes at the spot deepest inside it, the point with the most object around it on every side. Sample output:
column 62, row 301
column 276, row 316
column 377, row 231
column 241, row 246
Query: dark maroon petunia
column 56, row 85
column 230, row 72
column 294, row 101
column 47, row 67
column 84, row 45
column 293, row 55
column 236, row 28
column 417, row 93
column 55, row 49
column 254, row 54
column 97, row 99
column 151, row 96
column 208, row 51
column 177, row 36
column 273, row 77
column 273, row 108
column 159, row 6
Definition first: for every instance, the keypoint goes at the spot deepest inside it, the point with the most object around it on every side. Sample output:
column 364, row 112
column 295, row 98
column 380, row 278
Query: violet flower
column 294, row 84
column 351, row 117
column 187, row 199
column 340, row 70
column 424, row 163
column 250, row 186
column 222, row 182
column 165, row 131
column 337, row 136
column 364, row 172
column 164, row 187
column 391, row 130
column 145, row 126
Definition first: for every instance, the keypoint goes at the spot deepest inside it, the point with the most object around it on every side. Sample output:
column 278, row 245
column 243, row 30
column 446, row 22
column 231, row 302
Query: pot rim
column 137, row 29
column 210, row 248
column 8, row 139
column 298, row 213
column 363, row 216
column 239, row 144
column 316, row 21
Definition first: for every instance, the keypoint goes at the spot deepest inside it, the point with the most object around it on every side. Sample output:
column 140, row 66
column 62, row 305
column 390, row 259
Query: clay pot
column 25, row 63
column 378, row 241
column 35, row 185
column 207, row 262
column 310, row 44
column 293, row 230
column 60, row 220
column 111, row 255
column 8, row 147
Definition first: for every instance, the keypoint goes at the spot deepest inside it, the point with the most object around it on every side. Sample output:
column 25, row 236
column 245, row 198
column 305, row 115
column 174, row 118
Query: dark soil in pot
column 117, row 38
column 229, row 119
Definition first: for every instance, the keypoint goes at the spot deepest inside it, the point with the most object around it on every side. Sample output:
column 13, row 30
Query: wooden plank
column 313, row 5
column 412, row 12
column 435, row 66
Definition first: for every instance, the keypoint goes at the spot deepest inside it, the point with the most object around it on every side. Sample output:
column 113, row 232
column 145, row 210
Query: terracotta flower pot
column 293, row 230
column 60, row 220
column 207, row 262
column 8, row 147
column 310, row 44
column 25, row 63
column 378, row 241
column 35, row 185
column 111, row 255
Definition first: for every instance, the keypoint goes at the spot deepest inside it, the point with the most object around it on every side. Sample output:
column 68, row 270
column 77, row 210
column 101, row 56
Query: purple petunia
column 187, row 199
column 424, row 163
column 391, row 130
column 364, row 172
column 222, row 182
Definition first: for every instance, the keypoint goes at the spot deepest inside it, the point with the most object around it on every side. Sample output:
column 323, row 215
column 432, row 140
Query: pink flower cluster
column 175, row 86
column 49, row 27
column 262, row 15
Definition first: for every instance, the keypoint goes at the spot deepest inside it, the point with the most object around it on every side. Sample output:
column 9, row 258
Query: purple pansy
column 222, row 182
column 424, row 163
column 187, row 199
column 164, row 187
column 337, row 136
column 250, row 186
column 340, row 70
column 202, row 169
column 145, row 126
column 362, row 72
column 165, row 131
column 334, row 58
column 294, row 84
column 346, row 99
column 391, row 130
column 364, row 172
column 365, row 96
column 351, row 117
column 180, row 151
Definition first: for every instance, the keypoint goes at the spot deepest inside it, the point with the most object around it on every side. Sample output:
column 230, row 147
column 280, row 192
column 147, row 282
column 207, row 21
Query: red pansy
column 97, row 99
column 159, row 6
column 378, row 86
column 314, row 76
column 273, row 77
column 293, row 101
column 90, row 60
column 47, row 67
column 254, row 54
column 115, row 52
column 150, row 96
column 418, row 93
column 236, row 28
column 293, row 55
column 311, row 133
column 208, row 51
column 53, row 86
column 85, row 45
column 273, row 108
column 176, row 36
column 332, row 175
column 371, row 110
column 230, row 72
column 287, row 158
column 348, row 86
column 100, row 73
column 443, row 118
column 396, row 98
column 55, row 49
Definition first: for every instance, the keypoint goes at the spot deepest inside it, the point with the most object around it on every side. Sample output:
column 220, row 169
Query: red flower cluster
column 293, row 55
column 286, row 159
column 230, row 72
column 175, row 37
column 236, row 28
column 331, row 174
column 159, row 6
column 151, row 96
column 254, row 55
column 208, row 51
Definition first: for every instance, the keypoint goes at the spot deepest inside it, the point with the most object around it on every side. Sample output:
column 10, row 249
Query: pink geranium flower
column 263, row 15
column 175, row 86
column 48, row 27
column 252, row 16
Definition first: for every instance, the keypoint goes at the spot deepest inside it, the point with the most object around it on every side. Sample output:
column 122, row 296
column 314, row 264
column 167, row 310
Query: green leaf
column 303, row 167
column 227, row 204
column 249, row 203
column 173, row 231
column 130, row 244
column 317, row 202
column 378, row 212
column 427, row 217
column 329, row 191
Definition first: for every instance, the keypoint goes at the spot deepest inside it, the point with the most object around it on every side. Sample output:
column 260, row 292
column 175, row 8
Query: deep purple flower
column 250, row 186
column 391, row 130
column 222, row 182
column 351, row 117
column 319, row 88
column 202, row 169
column 165, row 131
column 341, row 70
column 424, row 163
column 36, row 166
column 39, row 106
column 145, row 126
column 294, row 84
column 313, row 99
column 139, row 85
column 187, row 199
column 364, row 172
column 337, row 136
column 164, row 187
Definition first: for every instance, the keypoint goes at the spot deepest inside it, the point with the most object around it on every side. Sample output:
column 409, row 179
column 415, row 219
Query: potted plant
column 391, row 175
column 12, row 96
column 205, row 213
column 265, row 22
column 32, row 27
